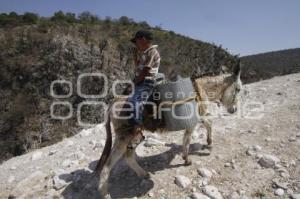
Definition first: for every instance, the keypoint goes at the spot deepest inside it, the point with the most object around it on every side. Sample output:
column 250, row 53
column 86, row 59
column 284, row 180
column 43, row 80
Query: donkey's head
column 231, row 92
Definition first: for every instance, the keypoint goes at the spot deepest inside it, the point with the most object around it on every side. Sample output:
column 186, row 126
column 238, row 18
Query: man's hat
column 140, row 34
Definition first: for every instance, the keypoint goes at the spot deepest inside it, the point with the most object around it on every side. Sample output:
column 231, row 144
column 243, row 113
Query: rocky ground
column 255, row 155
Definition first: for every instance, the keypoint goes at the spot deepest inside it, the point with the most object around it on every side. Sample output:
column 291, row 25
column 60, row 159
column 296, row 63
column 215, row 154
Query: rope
column 183, row 101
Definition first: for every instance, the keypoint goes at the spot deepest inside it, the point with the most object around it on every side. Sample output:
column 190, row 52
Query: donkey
column 226, row 89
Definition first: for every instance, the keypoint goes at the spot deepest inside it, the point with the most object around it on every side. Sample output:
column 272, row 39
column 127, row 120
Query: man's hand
column 142, row 75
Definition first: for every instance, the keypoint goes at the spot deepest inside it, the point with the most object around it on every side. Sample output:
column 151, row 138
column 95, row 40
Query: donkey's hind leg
column 117, row 152
column 133, row 164
column 207, row 123
column 186, row 146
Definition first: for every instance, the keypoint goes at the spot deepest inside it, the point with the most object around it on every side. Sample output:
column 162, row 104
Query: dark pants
column 138, row 99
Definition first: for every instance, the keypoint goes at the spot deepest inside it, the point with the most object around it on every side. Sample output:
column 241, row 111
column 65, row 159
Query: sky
column 243, row 27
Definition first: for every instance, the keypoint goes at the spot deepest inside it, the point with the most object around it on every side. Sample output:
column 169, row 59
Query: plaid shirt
column 149, row 58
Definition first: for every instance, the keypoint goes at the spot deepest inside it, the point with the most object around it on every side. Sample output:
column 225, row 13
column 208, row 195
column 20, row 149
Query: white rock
column 195, row 135
column 290, row 192
column 203, row 182
column 52, row 152
column 279, row 192
column 67, row 163
column 278, row 166
column 295, row 196
column 92, row 142
column 51, row 194
column 58, row 171
column 182, row 181
column 13, row 168
column 278, row 184
column 11, row 179
column 82, row 148
column 74, row 162
column 58, row 183
column 26, row 185
column 268, row 139
column 85, row 133
column 258, row 156
column 162, row 191
column 252, row 150
column 214, row 172
column 292, row 139
column 227, row 164
column 199, row 196
column 100, row 128
column 251, row 131
column 285, row 174
column 36, row 155
column 268, row 161
column 212, row 192
column 100, row 144
column 293, row 163
column 150, row 194
column 153, row 142
column 241, row 192
column 154, row 136
column 80, row 155
column 205, row 172
column 234, row 195
column 69, row 143
column 198, row 162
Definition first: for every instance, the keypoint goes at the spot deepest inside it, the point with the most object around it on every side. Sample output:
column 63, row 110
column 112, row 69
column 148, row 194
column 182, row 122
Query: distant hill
column 270, row 64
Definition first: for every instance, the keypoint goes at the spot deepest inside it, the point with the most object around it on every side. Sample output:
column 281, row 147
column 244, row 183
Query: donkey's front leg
column 186, row 146
column 133, row 164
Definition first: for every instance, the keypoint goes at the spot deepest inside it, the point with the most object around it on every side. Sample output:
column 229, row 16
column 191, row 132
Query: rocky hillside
column 255, row 155
column 35, row 51
column 270, row 64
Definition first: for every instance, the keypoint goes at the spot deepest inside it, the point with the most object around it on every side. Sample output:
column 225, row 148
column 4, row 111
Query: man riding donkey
column 146, row 60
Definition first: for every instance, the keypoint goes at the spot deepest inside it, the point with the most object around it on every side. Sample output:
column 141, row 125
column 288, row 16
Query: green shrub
column 30, row 18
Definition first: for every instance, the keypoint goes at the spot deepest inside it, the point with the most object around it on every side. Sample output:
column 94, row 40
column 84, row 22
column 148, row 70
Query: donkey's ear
column 237, row 69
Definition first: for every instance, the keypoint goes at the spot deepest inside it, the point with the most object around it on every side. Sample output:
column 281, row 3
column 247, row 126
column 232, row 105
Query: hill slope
column 236, row 163
column 35, row 51
column 270, row 64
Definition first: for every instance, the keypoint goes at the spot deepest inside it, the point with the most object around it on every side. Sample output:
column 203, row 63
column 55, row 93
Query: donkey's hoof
column 209, row 147
column 147, row 176
column 209, row 142
column 187, row 162
column 104, row 196
column 107, row 196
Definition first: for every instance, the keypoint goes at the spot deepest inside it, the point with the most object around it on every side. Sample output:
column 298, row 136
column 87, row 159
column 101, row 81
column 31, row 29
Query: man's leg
column 141, row 95
column 139, row 98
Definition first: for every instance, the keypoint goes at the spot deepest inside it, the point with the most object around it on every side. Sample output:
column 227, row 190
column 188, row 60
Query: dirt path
column 251, row 158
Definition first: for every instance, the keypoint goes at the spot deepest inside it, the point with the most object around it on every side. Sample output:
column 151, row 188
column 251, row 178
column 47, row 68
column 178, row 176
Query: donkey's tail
column 107, row 147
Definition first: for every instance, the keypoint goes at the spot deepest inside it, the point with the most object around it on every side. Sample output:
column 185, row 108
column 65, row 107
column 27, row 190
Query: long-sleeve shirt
column 149, row 58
